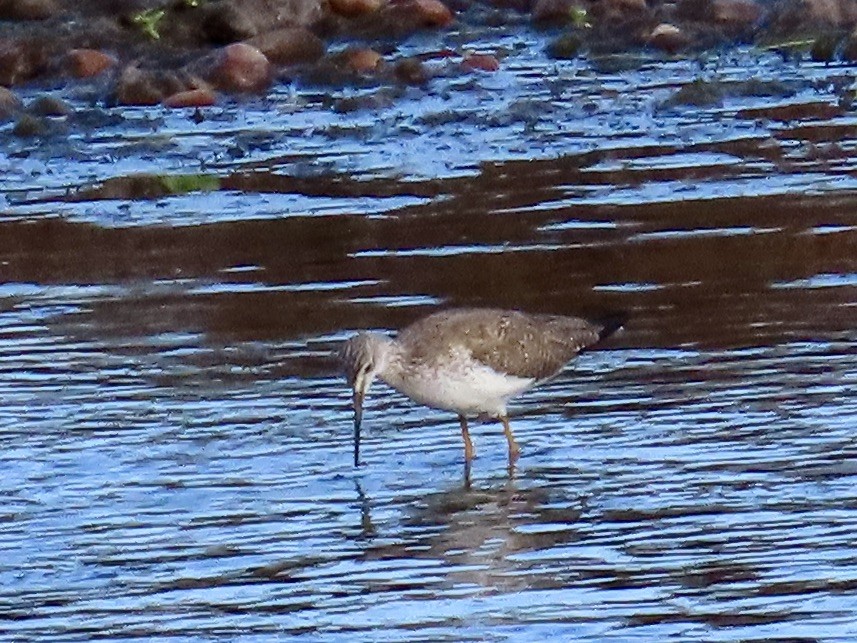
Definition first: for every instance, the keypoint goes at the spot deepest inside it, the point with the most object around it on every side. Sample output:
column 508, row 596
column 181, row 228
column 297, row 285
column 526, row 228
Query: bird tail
column 611, row 324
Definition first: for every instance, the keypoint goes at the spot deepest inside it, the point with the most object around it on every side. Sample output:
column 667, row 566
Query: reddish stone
column 668, row 38
column 137, row 87
column 21, row 61
column 481, row 62
column 363, row 60
column 202, row 97
column 354, row 8
column 411, row 71
column 426, row 13
column 149, row 87
column 434, row 13
column 736, row 13
column 289, row 46
column 241, row 67
column 10, row 104
column 86, row 63
column 795, row 17
column 553, row 10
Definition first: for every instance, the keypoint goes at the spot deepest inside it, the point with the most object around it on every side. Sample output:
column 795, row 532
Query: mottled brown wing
column 532, row 346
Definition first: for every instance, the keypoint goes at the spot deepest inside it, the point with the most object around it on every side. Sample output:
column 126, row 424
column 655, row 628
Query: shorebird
column 471, row 361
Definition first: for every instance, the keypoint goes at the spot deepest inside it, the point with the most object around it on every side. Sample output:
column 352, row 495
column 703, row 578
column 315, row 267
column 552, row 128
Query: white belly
column 468, row 389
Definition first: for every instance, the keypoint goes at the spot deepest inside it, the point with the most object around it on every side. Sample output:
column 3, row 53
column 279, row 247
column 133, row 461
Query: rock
column 401, row 18
column 362, row 60
column 226, row 22
column 28, row 9
column 823, row 49
column 697, row 93
column 49, row 106
column 375, row 101
column 480, row 62
column 554, row 11
column 230, row 21
column 849, row 47
column 415, row 14
column 668, row 38
column 411, row 71
column 10, row 104
column 355, row 8
column 21, row 60
column 29, row 126
column 202, row 97
column 432, row 13
column 565, row 47
column 693, row 10
column 619, row 11
column 289, row 46
column 298, row 13
column 240, row 67
column 736, row 16
column 137, row 86
column 86, row 63
column 801, row 17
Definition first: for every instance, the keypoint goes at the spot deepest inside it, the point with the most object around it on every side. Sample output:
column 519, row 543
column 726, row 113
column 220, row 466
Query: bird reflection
column 367, row 529
column 480, row 531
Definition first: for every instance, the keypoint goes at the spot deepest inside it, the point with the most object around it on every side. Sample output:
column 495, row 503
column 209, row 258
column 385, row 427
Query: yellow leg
column 469, row 453
column 514, row 451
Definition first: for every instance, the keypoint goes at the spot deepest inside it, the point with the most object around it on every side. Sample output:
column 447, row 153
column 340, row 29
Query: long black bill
column 358, row 419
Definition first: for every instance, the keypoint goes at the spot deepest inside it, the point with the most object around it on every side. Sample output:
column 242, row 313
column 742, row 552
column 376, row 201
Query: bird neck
column 388, row 357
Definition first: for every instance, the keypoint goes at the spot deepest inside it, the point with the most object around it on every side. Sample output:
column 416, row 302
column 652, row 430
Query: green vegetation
column 148, row 22
column 580, row 18
column 146, row 187
column 184, row 183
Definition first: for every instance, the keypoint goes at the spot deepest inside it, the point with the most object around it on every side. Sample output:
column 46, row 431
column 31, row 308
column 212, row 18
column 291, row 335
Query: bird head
column 362, row 357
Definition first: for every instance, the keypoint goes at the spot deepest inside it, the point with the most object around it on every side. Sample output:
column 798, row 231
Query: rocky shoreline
column 189, row 53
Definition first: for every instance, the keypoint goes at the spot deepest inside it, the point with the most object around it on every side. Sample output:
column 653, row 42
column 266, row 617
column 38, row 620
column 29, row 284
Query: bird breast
column 460, row 384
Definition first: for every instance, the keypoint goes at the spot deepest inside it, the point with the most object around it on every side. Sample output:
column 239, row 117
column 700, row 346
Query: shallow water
column 176, row 443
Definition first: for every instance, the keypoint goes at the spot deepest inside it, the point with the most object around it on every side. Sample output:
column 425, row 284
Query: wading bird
column 470, row 361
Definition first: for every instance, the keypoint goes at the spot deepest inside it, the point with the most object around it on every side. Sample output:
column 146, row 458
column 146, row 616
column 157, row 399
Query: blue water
column 176, row 443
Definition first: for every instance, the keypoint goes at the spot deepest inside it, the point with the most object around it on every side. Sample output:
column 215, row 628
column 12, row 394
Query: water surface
column 176, row 442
